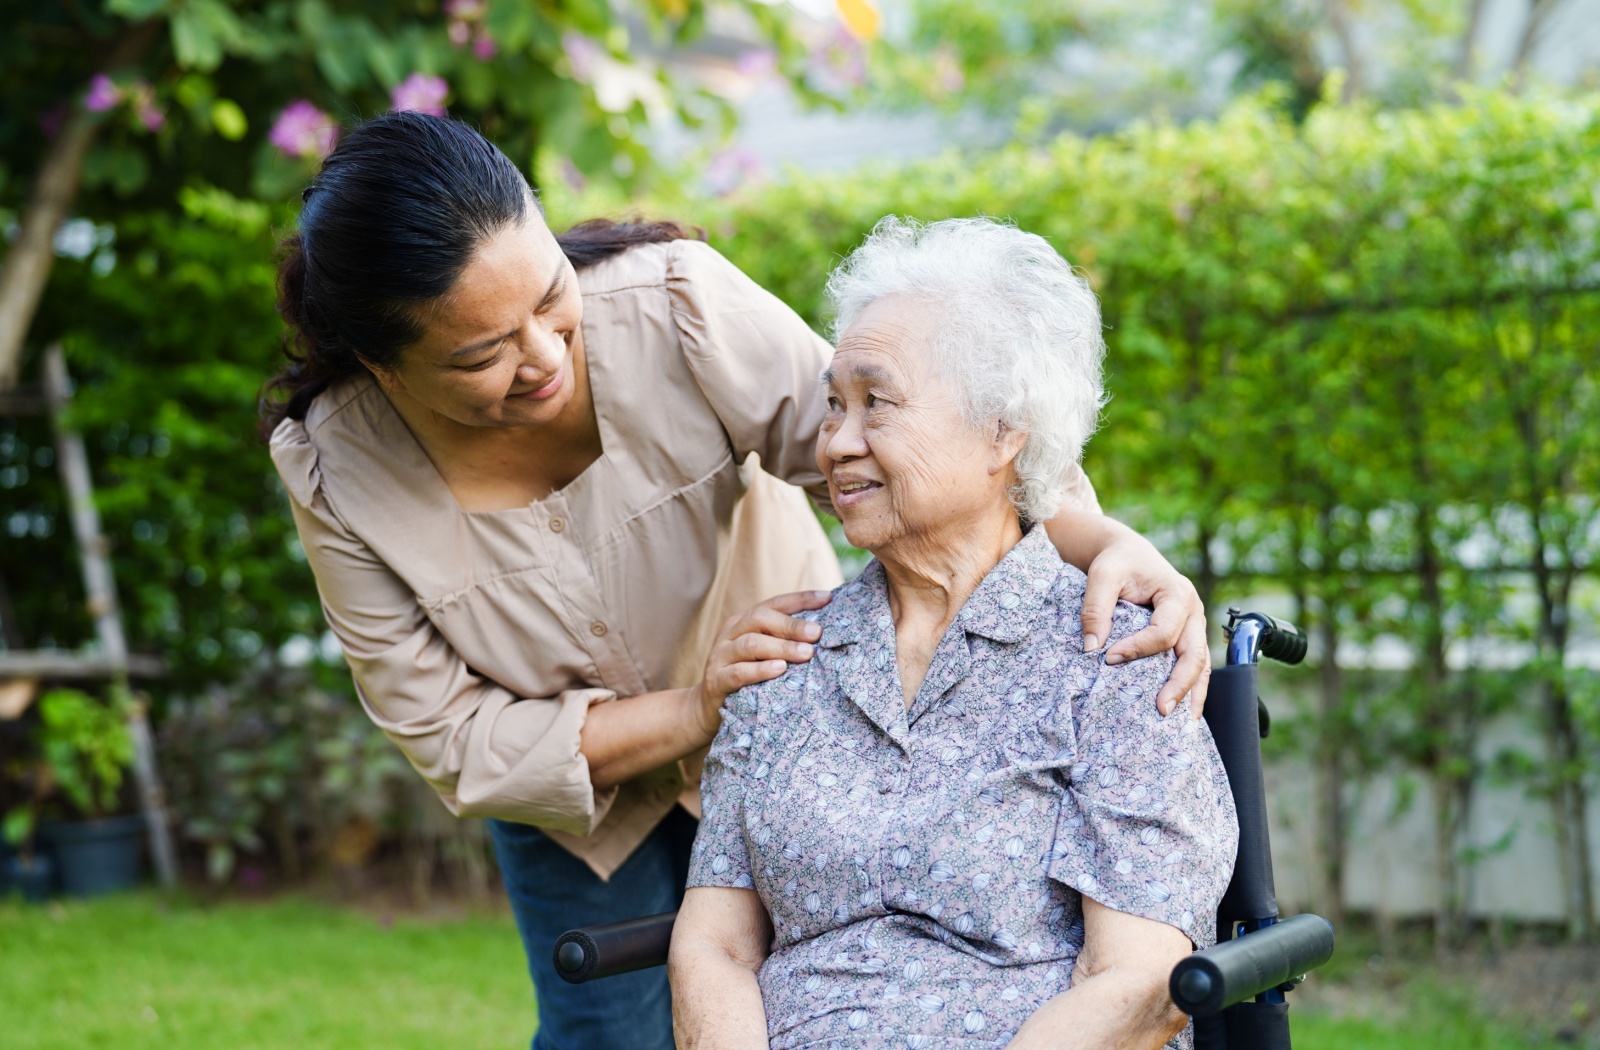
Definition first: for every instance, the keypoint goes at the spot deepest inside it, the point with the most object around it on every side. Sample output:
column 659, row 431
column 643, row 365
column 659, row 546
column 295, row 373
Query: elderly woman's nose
column 847, row 440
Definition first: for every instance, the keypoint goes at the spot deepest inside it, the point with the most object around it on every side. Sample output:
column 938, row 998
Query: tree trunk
column 1562, row 734
column 32, row 255
column 1205, row 581
column 1339, row 19
column 10, row 628
column 55, row 185
column 1330, row 769
column 1438, row 707
column 1571, row 812
column 1466, row 59
column 1538, row 13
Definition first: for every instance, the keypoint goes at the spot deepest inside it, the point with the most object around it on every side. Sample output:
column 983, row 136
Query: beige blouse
column 479, row 640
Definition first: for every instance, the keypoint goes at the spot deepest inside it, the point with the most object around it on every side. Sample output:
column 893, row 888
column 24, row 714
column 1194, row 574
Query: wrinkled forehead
column 891, row 340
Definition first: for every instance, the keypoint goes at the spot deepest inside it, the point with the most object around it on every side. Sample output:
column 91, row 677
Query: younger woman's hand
column 756, row 646
column 1131, row 568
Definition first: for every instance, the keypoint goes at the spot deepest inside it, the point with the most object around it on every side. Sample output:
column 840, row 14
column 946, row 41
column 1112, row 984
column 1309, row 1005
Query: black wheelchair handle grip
column 592, row 952
column 1283, row 642
column 1208, row 982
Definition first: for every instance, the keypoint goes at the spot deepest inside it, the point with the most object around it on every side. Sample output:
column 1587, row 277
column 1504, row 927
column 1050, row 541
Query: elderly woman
column 954, row 827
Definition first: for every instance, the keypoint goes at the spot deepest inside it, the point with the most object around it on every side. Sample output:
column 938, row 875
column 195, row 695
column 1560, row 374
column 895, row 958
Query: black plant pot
column 97, row 856
column 34, row 877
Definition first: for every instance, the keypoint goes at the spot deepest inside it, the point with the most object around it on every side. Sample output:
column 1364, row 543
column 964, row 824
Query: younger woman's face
column 497, row 349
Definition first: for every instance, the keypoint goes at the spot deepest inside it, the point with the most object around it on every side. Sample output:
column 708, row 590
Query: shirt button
column 557, row 524
column 598, row 629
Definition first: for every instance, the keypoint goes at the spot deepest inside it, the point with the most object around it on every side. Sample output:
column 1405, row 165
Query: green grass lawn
column 133, row 972
column 130, row 973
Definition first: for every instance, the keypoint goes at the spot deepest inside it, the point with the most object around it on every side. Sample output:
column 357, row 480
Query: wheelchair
column 1236, row 991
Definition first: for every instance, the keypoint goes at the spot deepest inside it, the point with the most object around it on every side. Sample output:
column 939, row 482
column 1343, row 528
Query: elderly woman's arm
column 1118, row 999
column 719, row 942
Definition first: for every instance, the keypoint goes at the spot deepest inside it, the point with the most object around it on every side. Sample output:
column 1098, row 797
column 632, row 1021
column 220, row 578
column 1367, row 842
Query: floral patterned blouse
column 923, row 868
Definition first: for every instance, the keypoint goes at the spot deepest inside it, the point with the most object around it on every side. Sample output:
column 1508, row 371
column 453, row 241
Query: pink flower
column 758, row 64
column 572, row 176
column 151, row 117
column 303, row 130
column 731, row 169
column 947, row 71
column 839, row 63
column 582, row 53
column 463, row 15
column 421, row 93
column 103, row 94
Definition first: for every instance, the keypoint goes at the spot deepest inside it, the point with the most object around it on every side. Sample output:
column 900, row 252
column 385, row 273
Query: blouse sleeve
column 1080, row 490
column 758, row 364
column 486, row 751
column 720, row 856
column 1148, row 827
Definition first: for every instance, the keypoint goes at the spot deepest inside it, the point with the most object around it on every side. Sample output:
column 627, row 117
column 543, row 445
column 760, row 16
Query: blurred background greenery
column 1348, row 253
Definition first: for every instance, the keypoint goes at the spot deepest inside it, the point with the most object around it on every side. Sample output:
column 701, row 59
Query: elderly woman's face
column 901, row 460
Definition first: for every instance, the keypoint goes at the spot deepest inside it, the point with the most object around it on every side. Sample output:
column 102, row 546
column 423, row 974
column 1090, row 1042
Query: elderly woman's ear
column 1008, row 444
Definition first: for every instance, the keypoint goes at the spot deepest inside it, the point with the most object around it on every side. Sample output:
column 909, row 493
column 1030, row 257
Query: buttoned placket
column 590, row 621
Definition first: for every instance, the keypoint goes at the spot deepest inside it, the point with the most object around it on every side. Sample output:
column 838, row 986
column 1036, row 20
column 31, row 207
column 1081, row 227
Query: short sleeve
column 721, row 856
column 1080, row 492
column 485, row 750
column 1147, row 826
column 757, row 363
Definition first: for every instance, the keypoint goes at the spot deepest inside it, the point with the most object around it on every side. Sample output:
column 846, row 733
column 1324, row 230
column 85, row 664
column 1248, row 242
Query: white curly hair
column 1018, row 331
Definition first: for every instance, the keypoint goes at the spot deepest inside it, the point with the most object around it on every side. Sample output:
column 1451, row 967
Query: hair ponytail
column 312, row 367
column 599, row 239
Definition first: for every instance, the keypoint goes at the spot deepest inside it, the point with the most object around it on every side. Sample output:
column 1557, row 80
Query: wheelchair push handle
column 1254, row 635
column 593, row 952
column 1274, row 957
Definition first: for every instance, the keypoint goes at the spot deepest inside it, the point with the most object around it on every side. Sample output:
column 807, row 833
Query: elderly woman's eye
column 834, row 404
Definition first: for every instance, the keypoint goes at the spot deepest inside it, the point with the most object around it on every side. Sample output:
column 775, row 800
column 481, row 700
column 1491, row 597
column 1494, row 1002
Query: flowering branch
column 55, row 185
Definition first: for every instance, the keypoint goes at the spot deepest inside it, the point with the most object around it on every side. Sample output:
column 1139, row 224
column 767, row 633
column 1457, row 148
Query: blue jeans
column 551, row 891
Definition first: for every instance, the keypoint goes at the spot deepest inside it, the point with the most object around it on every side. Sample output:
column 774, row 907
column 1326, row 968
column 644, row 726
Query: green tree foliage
column 1349, row 365
column 128, row 103
column 1350, row 360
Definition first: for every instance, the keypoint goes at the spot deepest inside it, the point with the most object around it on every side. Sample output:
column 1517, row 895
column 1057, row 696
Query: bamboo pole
column 94, row 558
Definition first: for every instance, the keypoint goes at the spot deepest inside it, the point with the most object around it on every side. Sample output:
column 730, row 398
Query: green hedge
column 1349, row 359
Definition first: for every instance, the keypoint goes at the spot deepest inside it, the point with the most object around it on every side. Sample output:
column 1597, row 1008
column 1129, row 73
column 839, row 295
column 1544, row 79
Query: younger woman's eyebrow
column 550, row 295
column 484, row 345
column 554, row 291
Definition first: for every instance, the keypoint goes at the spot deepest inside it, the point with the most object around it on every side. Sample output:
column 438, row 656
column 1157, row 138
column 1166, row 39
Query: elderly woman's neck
column 930, row 579
column 932, row 576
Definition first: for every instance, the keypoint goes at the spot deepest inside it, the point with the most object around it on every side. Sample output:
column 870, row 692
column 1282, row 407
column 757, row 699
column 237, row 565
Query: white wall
column 1391, row 859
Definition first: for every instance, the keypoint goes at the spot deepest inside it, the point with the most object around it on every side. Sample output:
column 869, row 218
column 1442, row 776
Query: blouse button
column 598, row 629
column 557, row 524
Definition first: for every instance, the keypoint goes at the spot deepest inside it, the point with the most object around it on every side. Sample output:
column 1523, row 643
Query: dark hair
column 389, row 223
